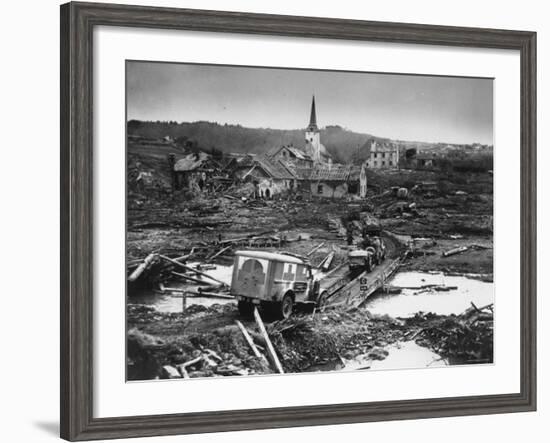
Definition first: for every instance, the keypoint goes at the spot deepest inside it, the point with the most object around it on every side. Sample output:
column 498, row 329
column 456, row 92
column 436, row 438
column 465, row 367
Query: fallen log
column 273, row 355
column 189, row 268
column 205, row 294
column 220, row 252
column 191, row 362
column 213, row 294
column 315, row 248
column 327, row 261
column 455, row 251
column 142, row 267
column 186, row 257
column 193, row 279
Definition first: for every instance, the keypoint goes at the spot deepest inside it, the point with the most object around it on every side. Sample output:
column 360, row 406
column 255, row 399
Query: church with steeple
column 313, row 136
column 313, row 146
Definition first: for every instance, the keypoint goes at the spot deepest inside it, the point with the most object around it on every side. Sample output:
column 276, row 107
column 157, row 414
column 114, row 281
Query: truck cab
column 276, row 281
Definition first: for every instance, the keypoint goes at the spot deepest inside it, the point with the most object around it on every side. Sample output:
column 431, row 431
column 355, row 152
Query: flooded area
column 171, row 301
column 416, row 296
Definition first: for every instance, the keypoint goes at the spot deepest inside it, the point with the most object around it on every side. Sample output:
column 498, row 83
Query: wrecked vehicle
column 274, row 281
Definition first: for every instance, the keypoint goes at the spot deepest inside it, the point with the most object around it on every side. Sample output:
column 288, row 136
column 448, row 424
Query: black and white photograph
column 283, row 220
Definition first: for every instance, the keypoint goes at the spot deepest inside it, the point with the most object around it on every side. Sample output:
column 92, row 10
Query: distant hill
column 342, row 144
column 345, row 146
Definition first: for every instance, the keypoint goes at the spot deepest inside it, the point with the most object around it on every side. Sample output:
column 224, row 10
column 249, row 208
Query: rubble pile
column 461, row 339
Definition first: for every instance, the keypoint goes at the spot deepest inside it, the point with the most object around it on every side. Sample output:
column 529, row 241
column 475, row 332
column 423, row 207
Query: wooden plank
column 273, row 355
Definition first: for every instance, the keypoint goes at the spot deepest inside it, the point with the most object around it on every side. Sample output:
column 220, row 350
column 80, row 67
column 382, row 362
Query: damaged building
column 270, row 177
column 333, row 181
column 290, row 155
column 193, row 171
column 383, row 155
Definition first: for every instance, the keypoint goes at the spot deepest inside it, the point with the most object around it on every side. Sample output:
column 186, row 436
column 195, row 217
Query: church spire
column 313, row 117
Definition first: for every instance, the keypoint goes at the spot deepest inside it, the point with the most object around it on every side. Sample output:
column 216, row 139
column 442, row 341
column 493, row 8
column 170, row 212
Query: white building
column 383, row 156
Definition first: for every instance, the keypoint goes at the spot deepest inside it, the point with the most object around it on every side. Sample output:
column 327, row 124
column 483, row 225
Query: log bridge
column 354, row 292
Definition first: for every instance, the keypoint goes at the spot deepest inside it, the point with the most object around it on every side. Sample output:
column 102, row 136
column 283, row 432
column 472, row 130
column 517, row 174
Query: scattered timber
column 189, row 268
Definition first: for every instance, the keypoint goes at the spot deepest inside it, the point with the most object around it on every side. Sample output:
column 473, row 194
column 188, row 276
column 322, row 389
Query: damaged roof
column 194, row 161
column 332, row 173
column 294, row 151
column 274, row 168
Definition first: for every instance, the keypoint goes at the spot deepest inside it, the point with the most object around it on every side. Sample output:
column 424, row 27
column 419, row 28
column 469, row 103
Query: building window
column 390, row 163
column 383, row 163
column 319, row 189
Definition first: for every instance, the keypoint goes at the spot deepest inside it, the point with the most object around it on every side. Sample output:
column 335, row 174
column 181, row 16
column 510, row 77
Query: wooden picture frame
column 77, row 23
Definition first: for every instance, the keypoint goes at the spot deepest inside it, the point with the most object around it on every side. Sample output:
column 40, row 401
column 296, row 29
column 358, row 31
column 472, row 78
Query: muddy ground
column 306, row 342
column 453, row 211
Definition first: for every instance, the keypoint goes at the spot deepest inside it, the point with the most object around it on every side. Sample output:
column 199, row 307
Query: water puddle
column 402, row 355
column 411, row 301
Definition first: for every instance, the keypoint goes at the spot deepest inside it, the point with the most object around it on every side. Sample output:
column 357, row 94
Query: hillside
column 342, row 144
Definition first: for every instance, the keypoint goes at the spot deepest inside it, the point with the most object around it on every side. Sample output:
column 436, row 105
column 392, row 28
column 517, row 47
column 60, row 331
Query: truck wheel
column 245, row 308
column 287, row 304
column 322, row 301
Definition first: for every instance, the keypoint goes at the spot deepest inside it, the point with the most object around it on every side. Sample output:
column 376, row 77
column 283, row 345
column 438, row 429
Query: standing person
column 349, row 232
column 365, row 232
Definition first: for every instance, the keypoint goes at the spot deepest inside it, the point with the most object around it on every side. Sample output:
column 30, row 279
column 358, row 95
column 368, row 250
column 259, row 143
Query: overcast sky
column 405, row 107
